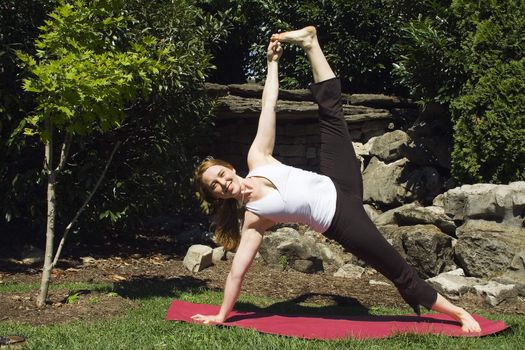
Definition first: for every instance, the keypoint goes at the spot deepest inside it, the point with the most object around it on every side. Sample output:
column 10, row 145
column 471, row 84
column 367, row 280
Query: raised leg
column 353, row 228
column 307, row 39
column 337, row 155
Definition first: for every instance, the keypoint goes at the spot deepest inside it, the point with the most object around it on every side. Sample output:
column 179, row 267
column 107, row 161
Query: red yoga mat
column 336, row 327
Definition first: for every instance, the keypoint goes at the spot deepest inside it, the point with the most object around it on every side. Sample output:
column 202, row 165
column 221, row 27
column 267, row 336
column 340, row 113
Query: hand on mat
column 207, row 319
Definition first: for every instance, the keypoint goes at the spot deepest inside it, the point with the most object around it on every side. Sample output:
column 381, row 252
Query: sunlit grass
column 145, row 327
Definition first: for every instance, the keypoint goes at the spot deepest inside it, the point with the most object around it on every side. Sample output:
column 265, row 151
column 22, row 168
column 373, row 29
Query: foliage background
column 149, row 174
column 468, row 56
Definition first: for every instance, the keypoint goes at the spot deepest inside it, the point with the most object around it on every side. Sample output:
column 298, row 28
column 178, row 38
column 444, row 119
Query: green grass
column 145, row 327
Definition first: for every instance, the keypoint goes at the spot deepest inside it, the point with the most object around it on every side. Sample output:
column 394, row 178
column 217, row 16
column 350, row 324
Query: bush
column 489, row 129
column 431, row 61
column 464, row 55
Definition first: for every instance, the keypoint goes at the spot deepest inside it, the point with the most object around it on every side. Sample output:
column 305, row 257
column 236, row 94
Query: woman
column 330, row 203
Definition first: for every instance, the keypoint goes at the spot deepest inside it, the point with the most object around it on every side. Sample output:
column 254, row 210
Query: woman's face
column 222, row 182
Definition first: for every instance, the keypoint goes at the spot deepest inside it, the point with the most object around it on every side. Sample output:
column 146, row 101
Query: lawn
column 144, row 327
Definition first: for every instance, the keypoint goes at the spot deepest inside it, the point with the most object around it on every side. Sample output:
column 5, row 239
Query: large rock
column 426, row 215
column 372, row 212
column 389, row 217
column 439, row 200
column 329, row 256
column 487, row 249
column 516, row 270
column 469, row 201
column 399, row 182
column 360, row 114
column 394, row 235
column 255, row 91
column 198, row 257
column 379, row 101
column 361, row 151
column 287, row 247
column 215, row 90
column 424, row 246
column 454, row 283
column 306, row 265
column 388, row 146
column 218, row 255
column 488, row 202
column 381, row 183
column 495, row 293
column 427, row 247
column 235, row 107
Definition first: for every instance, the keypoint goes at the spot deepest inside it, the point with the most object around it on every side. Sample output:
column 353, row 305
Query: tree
column 86, row 71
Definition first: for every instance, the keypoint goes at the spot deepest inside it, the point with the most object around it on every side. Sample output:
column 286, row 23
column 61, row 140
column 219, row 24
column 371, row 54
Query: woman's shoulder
column 257, row 166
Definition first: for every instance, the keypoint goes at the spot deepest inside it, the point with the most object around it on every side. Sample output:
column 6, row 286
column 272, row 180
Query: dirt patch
column 135, row 275
column 62, row 308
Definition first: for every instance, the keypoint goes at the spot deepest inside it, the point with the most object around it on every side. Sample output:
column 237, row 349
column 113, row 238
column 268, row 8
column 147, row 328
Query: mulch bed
column 164, row 273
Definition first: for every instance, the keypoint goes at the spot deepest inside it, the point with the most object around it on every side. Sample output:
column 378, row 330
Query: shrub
column 467, row 55
column 489, row 129
column 431, row 62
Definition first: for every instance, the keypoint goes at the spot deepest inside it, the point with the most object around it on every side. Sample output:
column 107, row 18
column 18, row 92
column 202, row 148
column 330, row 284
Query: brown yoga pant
column 351, row 226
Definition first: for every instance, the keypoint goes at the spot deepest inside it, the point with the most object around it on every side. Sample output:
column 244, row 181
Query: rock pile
column 463, row 239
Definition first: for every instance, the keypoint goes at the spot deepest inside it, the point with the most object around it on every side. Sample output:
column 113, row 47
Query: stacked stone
column 463, row 239
column 297, row 133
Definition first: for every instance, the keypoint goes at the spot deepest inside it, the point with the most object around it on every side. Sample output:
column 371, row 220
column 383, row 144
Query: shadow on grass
column 340, row 306
column 147, row 287
column 356, row 312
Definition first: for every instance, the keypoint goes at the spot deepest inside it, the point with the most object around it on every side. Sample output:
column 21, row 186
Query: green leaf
column 66, row 110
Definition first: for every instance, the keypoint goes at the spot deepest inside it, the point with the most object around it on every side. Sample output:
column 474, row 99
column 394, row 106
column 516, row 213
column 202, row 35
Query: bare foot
column 468, row 323
column 303, row 37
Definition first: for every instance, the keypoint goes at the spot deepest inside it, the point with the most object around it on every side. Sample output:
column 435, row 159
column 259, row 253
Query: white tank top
column 301, row 196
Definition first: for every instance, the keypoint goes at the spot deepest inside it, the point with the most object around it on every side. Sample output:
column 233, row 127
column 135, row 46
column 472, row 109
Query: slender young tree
column 83, row 76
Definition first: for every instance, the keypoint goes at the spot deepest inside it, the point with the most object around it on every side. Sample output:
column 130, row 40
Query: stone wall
column 297, row 132
column 408, row 193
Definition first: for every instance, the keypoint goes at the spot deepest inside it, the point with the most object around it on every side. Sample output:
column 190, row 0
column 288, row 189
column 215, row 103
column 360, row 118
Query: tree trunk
column 51, row 212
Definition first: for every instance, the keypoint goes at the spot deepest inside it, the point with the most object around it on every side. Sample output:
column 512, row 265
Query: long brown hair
column 227, row 228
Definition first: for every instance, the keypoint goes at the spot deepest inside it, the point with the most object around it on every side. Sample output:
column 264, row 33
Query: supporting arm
column 251, row 239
